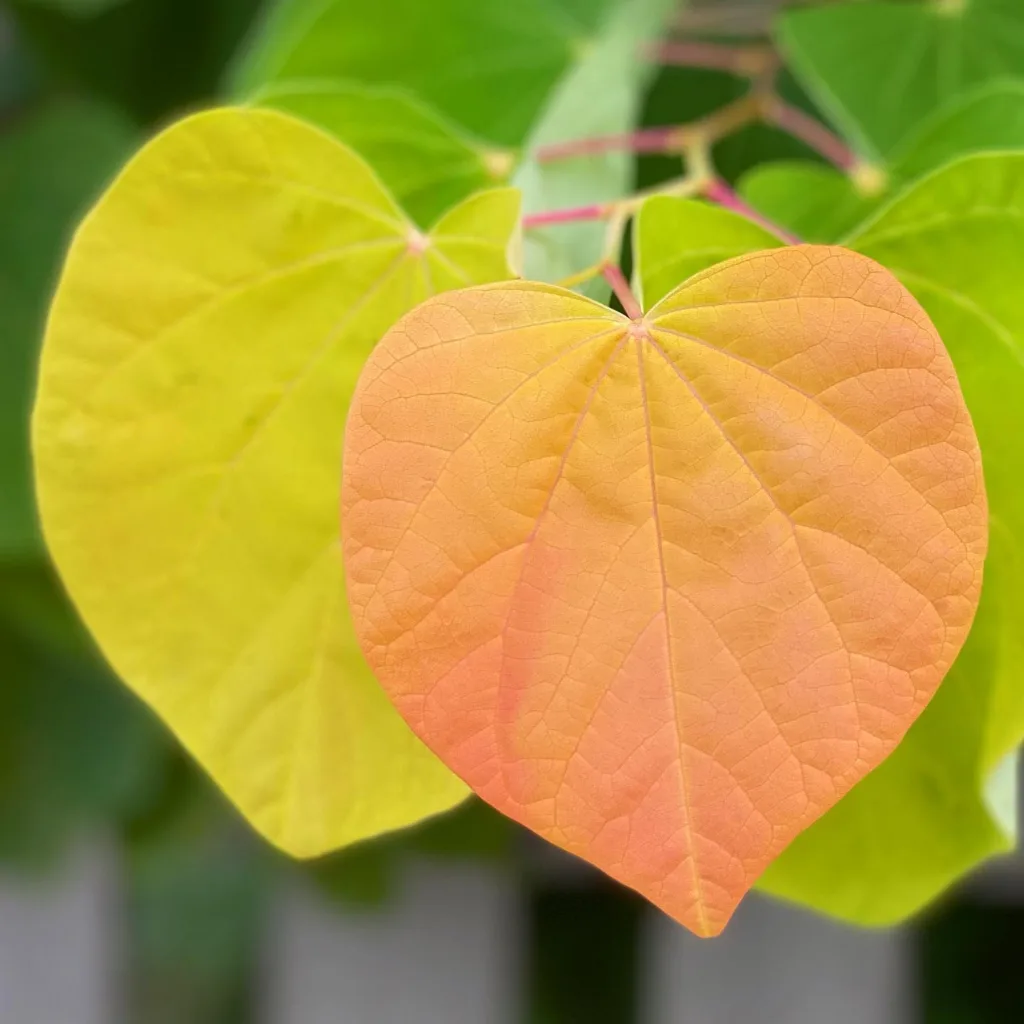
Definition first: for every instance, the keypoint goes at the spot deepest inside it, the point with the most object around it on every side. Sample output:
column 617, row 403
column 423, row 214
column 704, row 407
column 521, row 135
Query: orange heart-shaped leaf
column 663, row 590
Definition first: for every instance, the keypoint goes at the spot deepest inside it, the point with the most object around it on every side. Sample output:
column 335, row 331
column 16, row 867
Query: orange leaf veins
column 663, row 590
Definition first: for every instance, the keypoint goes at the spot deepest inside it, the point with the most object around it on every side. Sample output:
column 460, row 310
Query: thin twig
column 665, row 139
column 616, row 212
column 760, row 104
column 746, row 61
column 811, row 132
column 620, row 286
column 645, row 140
column 595, row 211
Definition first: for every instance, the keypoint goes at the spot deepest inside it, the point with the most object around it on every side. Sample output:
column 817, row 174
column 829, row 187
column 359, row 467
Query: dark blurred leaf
column 474, row 829
column 33, row 605
column 52, row 165
column 75, row 747
column 152, row 57
column 198, row 882
column 362, row 875
column 19, row 77
column 584, row 963
column 970, row 965
column 77, row 8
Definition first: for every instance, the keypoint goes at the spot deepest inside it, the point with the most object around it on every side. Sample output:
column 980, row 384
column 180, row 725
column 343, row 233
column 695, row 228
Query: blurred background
column 131, row 894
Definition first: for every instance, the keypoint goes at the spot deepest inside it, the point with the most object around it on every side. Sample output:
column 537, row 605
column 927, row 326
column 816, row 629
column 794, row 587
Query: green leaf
column 51, row 167
column 205, row 341
column 878, row 69
column 988, row 118
column 815, row 202
column 711, row 235
column 820, row 204
column 927, row 814
column 426, row 162
column 490, row 65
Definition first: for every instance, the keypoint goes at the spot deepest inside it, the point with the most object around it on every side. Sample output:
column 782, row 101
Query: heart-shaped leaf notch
column 664, row 589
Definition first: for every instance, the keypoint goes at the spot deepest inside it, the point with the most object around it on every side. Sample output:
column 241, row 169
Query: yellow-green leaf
column 212, row 319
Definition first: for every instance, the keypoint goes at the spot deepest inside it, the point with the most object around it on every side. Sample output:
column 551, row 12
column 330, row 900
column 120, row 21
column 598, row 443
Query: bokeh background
column 130, row 893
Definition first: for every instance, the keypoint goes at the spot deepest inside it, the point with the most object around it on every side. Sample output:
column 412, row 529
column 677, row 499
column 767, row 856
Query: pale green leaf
column 207, row 335
column 600, row 96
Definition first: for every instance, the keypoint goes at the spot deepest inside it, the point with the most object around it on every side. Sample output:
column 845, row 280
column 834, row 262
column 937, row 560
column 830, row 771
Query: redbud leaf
column 664, row 590
column 207, row 333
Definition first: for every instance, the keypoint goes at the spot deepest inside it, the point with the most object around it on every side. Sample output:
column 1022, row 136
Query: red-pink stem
column 620, row 286
column 718, row 192
column 596, row 211
column 741, row 60
column 646, row 140
column 697, row 54
column 813, row 133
